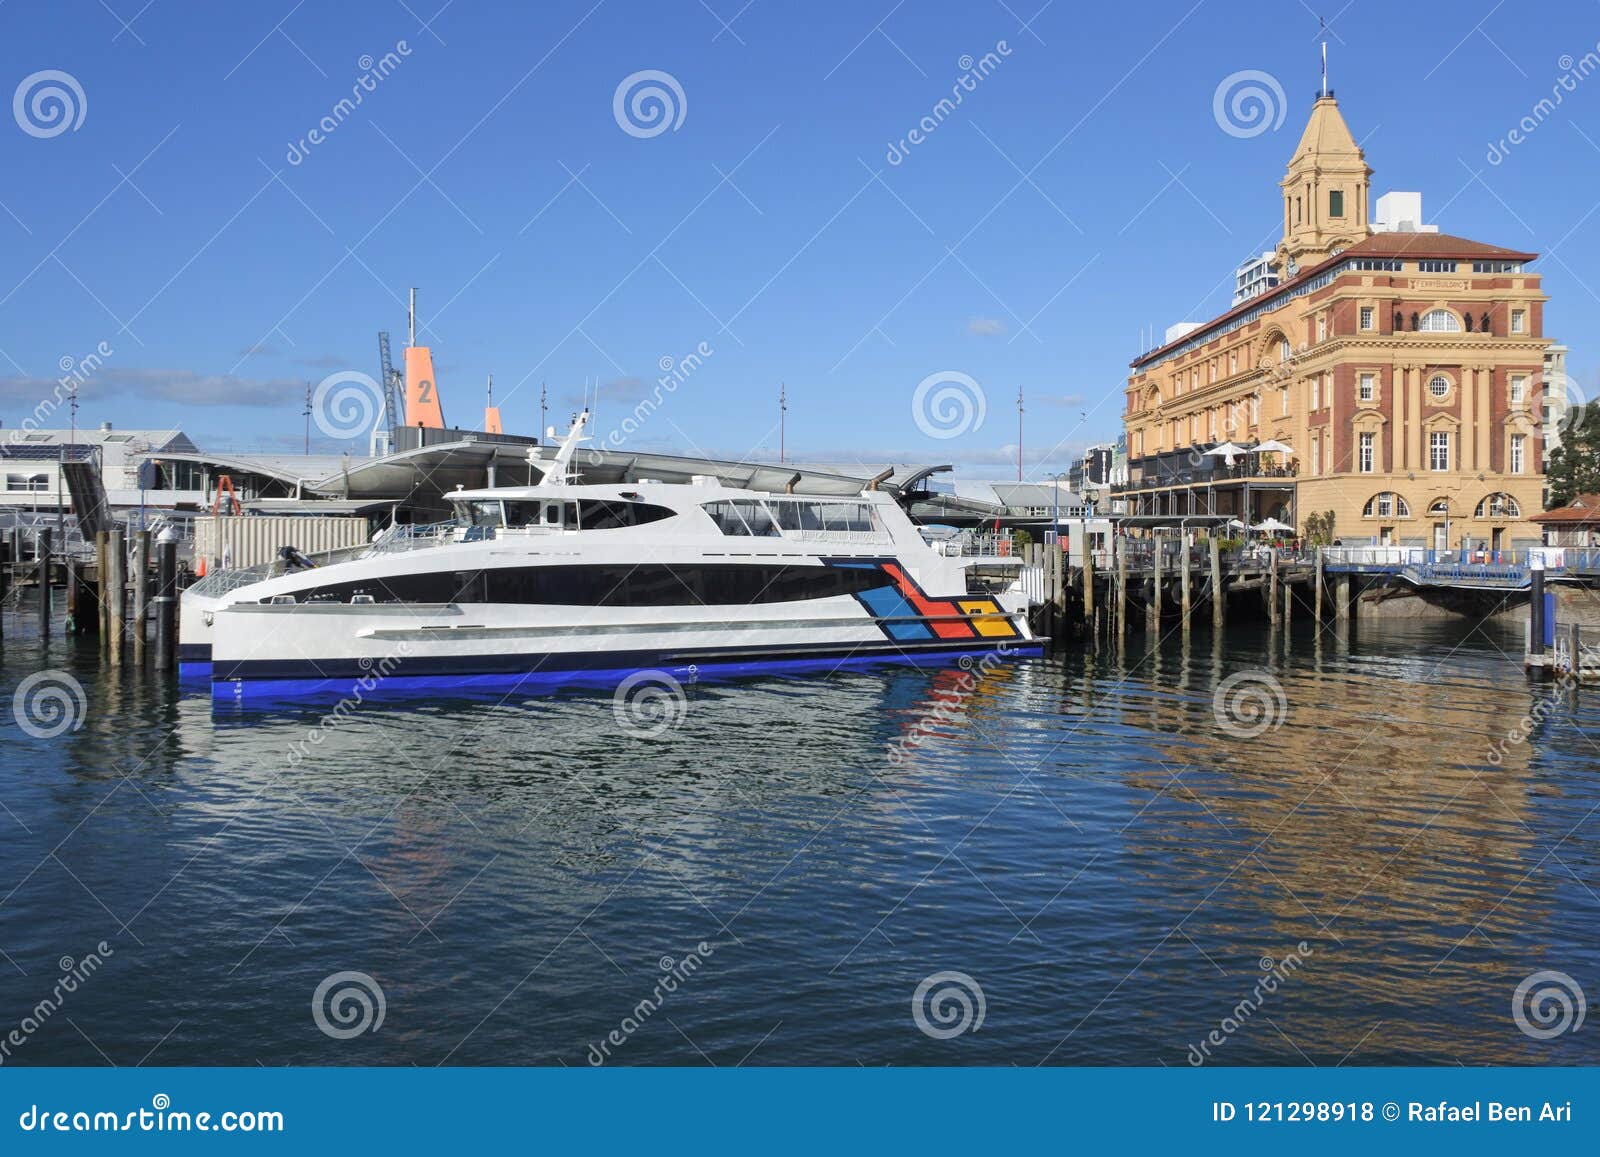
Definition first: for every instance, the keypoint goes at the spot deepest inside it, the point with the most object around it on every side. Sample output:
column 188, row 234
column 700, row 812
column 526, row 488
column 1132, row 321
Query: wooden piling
column 74, row 585
column 141, row 591
column 1185, row 602
column 1321, row 586
column 1088, row 585
column 1288, row 602
column 1122, row 587
column 111, row 592
column 1153, row 611
column 101, row 556
column 43, row 560
column 1341, row 599
column 1271, row 589
column 1219, row 596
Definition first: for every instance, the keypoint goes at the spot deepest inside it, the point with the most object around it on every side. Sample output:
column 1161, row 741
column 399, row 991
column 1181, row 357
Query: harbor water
column 1280, row 847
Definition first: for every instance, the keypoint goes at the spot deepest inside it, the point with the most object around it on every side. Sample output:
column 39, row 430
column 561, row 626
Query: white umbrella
column 1272, row 446
column 1272, row 526
column 1227, row 452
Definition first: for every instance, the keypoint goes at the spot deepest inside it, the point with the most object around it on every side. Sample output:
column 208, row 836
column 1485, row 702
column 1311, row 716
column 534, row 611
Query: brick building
column 1402, row 369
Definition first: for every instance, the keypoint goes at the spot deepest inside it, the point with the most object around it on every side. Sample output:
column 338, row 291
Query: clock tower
column 1324, row 192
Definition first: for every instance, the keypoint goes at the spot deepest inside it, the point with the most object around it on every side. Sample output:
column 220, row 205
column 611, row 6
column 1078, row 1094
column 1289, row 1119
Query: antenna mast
column 1324, row 24
column 783, row 416
column 411, row 318
column 1019, row 433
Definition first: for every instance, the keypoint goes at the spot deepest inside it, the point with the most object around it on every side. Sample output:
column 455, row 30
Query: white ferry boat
column 558, row 583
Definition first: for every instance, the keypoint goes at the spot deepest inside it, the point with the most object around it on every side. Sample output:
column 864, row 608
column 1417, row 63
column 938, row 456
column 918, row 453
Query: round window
column 1439, row 386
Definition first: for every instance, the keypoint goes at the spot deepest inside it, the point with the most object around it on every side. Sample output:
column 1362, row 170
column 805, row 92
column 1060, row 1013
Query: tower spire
column 1324, row 24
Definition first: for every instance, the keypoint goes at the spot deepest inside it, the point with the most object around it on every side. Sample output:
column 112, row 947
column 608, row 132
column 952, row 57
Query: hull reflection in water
column 1107, row 858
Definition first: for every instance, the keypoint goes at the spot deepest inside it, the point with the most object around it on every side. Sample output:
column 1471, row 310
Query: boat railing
column 397, row 539
column 818, row 535
column 393, row 540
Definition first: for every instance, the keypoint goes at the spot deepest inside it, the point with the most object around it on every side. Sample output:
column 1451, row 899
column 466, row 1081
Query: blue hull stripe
column 554, row 671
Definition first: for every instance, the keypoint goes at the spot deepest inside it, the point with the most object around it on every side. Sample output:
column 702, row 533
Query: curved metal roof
column 440, row 468
column 630, row 466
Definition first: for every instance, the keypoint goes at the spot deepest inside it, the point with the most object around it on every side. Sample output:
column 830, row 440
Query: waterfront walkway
column 1474, row 569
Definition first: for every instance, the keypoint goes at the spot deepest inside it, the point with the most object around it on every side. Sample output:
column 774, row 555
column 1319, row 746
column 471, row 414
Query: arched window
column 1439, row 321
column 1498, row 505
column 1387, row 504
column 1439, row 508
column 1439, row 386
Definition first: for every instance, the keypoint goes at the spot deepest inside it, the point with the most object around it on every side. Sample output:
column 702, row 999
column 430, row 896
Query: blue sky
column 1082, row 192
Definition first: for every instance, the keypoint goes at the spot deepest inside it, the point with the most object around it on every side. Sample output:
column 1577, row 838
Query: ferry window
column 603, row 514
column 797, row 515
column 847, row 516
column 742, row 517
column 522, row 513
column 657, row 584
column 486, row 513
column 561, row 513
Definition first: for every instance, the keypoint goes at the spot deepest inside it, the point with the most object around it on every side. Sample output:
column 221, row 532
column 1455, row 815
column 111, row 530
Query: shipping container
column 235, row 540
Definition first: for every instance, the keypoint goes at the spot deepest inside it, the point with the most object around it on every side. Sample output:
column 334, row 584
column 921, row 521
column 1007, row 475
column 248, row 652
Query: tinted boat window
column 648, row 585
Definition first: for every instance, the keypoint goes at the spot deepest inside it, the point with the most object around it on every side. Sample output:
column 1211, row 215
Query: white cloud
column 986, row 326
column 113, row 383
